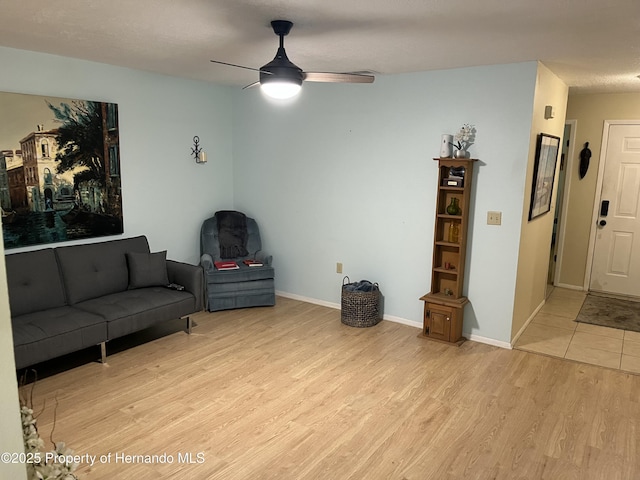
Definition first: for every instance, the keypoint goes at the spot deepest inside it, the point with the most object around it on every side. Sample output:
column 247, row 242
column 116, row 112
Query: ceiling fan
column 281, row 78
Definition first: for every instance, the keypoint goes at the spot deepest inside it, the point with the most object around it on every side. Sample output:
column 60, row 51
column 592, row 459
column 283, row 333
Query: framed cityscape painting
column 59, row 169
column 544, row 172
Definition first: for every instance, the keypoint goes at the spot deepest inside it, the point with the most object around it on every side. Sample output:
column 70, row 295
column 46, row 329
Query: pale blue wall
column 166, row 195
column 345, row 174
column 342, row 174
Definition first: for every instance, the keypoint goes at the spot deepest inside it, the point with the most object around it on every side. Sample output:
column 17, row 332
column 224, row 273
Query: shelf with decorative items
column 444, row 304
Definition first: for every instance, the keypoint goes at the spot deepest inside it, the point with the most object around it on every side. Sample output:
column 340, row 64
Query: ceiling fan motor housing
column 281, row 69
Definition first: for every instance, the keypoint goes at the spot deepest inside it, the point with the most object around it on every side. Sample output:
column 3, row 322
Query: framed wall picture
column 59, row 169
column 544, row 171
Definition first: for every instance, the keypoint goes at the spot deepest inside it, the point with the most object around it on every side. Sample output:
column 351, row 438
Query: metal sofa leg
column 189, row 325
column 103, row 353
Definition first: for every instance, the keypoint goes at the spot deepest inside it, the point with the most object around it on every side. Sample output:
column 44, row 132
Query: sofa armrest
column 191, row 277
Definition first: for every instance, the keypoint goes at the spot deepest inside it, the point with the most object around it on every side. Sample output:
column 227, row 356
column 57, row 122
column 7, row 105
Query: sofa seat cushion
column 132, row 310
column 242, row 274
column 40, row 336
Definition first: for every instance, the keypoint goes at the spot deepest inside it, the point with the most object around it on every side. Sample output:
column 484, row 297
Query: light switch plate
column 549, row 112
column 494, row 218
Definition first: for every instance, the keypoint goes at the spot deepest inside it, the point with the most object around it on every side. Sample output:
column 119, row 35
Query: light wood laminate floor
column 554, row 331
column 290, row 393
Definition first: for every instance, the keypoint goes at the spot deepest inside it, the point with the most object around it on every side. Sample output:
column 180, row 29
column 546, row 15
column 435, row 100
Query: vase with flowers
column 465, row 137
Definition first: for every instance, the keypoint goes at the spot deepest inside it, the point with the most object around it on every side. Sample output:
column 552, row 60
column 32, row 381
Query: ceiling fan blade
column 241, row 66
column 338, row 77
column 254, row 84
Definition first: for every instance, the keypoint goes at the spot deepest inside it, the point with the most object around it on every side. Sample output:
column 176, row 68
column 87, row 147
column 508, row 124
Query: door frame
column 566, row 195
column 598, row 194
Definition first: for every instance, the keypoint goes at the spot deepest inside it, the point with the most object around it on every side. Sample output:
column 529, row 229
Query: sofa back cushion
column 34, row 282
column 97, row 269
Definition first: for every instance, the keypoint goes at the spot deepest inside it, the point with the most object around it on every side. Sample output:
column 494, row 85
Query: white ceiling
column 593, row 45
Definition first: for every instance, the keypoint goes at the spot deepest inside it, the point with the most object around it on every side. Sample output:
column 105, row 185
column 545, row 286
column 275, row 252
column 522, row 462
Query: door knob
column 602, row 223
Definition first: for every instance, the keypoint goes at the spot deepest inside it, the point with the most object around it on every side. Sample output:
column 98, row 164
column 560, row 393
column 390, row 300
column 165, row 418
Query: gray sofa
column 69, row 298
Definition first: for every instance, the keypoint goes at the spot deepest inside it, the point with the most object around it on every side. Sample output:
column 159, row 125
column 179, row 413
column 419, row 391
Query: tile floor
column 554, row 332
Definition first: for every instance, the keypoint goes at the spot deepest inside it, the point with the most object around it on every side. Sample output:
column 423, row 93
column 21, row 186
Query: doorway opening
column 561, row 206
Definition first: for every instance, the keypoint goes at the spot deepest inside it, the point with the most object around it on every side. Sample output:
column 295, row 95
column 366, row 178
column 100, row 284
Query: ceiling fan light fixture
column 282, row 79
column 281, row 89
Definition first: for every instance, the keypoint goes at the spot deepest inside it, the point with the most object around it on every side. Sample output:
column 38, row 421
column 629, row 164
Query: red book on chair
column 226, row 265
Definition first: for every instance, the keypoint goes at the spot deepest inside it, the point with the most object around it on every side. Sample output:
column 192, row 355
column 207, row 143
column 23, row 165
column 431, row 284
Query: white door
column 616, row 257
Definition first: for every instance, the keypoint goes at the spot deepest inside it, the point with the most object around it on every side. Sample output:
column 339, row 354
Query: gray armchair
column 231, row 235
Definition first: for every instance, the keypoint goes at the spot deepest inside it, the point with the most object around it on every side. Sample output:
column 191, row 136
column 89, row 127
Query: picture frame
column 60, row 175
column 544, row 170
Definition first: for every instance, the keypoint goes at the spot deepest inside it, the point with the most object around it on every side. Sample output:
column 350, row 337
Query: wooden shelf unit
column 444, row 305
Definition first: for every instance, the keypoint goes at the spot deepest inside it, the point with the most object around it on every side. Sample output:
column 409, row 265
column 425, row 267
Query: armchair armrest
column 264, row 258
column 206, row 262
column 190, row 276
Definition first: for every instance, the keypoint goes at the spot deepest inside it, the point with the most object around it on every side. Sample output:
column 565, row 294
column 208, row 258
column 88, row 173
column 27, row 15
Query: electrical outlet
column 494, row 218
column 339, row 267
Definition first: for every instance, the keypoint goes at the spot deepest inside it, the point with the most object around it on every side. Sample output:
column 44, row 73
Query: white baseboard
column 391, row 318
column 315, row 301
column 337, row 306
column 570, row 287
column 526, row 324
column 487, row 341
column 403, row 321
